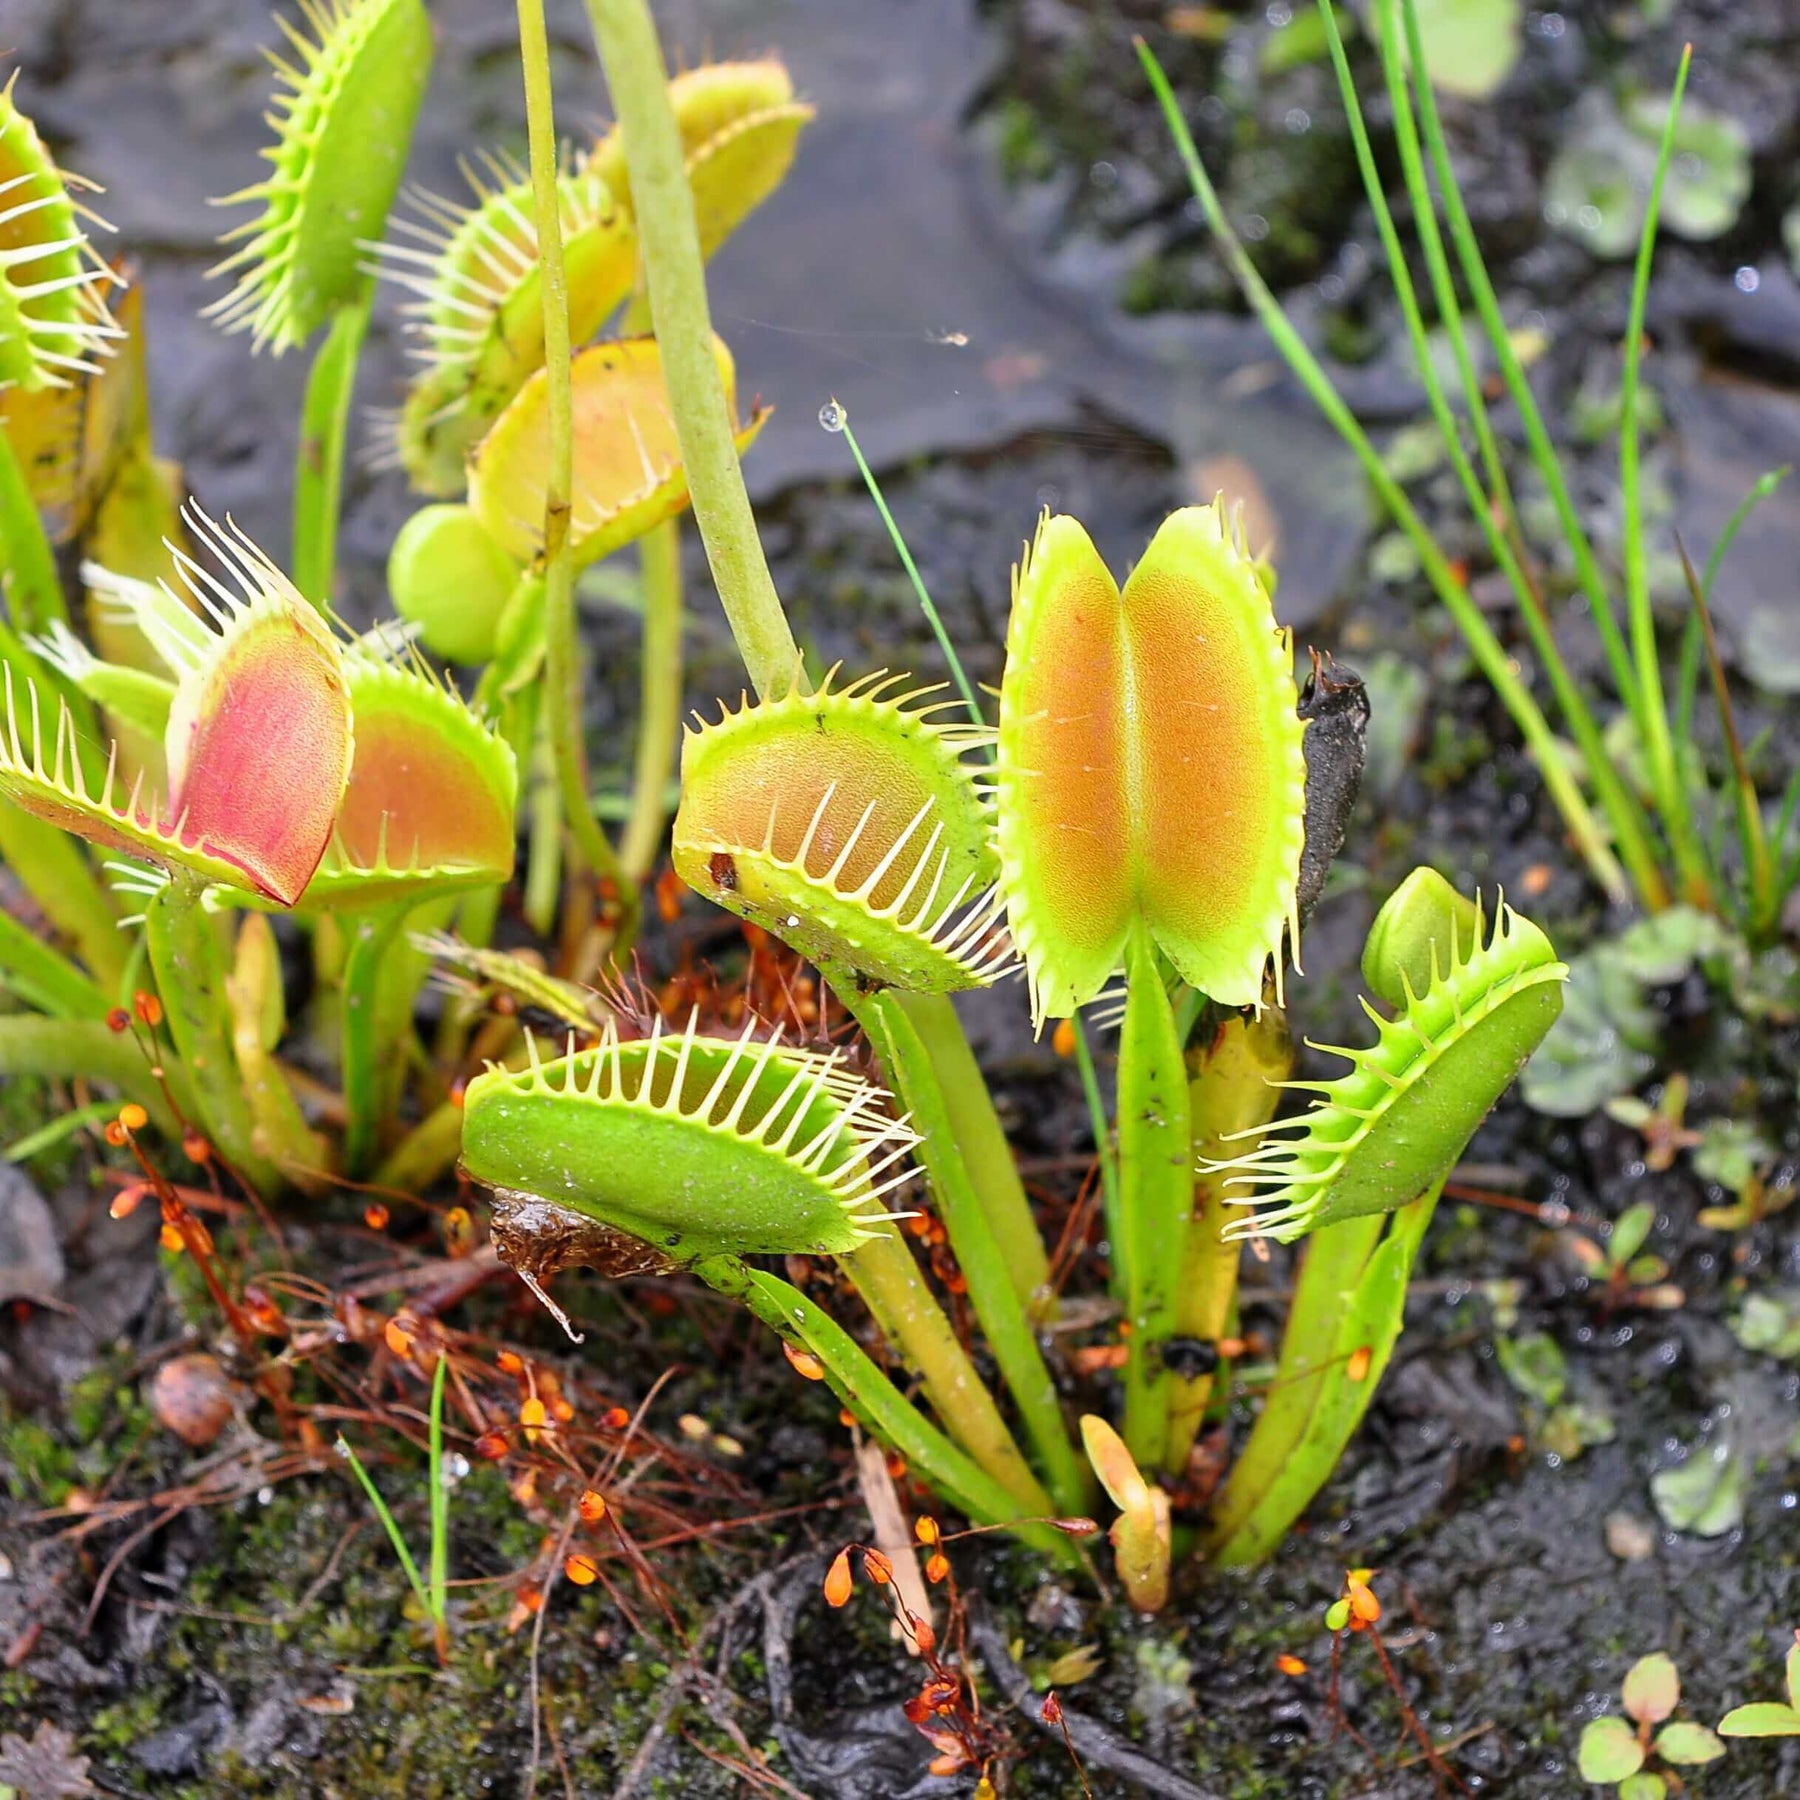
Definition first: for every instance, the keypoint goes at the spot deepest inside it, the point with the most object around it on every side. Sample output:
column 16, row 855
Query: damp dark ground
column 987, row 254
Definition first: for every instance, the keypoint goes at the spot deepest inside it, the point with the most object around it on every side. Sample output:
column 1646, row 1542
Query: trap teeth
column 1472, row 1005
column 695, row 1144
column 849, row 823
column 346, row 98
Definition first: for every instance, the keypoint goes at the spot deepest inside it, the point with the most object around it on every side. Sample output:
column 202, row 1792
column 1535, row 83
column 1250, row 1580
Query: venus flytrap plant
column 1151, row 804
column 1150, row 814
column 1361, row 1172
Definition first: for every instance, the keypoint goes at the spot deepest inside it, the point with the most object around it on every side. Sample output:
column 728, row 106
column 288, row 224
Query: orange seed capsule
column 508, row 1363
column 172, row 1240
column 127, row 1200
column 459, row 1231
column 115, row 1133
column 937, row 1567
column 118, row 1019
column 1364, row 1607
column 375, row 1216
column 533, row 1414
column 148, row 1008
column 491, row 1446
column 838, row 1580
column 1062, row 1039
column 804, row 1362
column 397, row 1338
column 927, row 1530
column 616, row 1418
column 1290, row 1664
column 132, row 1116
column 195, row 1147
column 591, row 1506
column 877, row 1567
column 581, row 1569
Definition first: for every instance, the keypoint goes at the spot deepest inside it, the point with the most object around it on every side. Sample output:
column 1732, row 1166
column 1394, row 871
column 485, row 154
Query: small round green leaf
column 1610, row 1750
column 1688, row 1745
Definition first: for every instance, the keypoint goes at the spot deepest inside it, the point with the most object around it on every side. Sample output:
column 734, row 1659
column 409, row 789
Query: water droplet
column 832, row 416
column 265, row 1496
column 1747, row 280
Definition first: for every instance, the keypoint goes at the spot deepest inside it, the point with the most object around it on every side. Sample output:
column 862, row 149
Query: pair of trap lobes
column 1149, row 774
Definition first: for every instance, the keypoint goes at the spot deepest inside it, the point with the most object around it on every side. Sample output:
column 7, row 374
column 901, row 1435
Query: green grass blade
column 1759, row 870
column 1488, row 652
column 1512, row 373
column 1622, row 810
column 1672, row 797
column 96, row 1112
column 436, row 1603
column 1691, row 645
column 388, row 1523
column 963, row 687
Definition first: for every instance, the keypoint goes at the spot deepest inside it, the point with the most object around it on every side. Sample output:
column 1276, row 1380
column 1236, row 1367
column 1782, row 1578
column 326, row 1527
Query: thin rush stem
column 1487, row 650
column 562, row 672
column 659, row 714
column 1653, row 720
column 664, row 206
column 1763, row 900
column 963, row 687
column 319, row 461
column 1487, row 304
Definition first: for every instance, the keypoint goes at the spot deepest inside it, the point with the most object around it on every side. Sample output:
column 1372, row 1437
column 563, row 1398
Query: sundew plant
column 1135, row 833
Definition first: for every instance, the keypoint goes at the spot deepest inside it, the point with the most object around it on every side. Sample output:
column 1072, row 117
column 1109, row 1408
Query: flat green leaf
column 1609, row 1750
column 1643, row 1786
column 1651, row 1689
column 1629, row 1231
column 1688, row 1745
column 1535, row 1365
column 1762, row 1718
column 1704, row 1495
